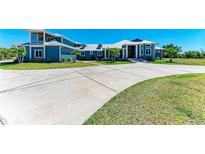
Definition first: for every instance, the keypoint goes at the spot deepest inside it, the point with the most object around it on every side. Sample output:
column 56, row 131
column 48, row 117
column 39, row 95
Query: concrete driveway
column 70, row 96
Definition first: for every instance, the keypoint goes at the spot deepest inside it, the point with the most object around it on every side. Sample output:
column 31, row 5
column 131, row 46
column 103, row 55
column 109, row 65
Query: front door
column 131, row 51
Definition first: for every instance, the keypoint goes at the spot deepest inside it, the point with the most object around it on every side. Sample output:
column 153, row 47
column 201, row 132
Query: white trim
column 126, row 52
column 34, row 54
column 60, row 53
column 136, row 51
column 44, row 52
column 30, row 52
column 105, row 54
column 44, row 37
column 36, row 45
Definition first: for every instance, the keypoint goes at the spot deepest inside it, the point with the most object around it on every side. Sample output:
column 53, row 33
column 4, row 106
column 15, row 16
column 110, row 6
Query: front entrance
column 131, row 52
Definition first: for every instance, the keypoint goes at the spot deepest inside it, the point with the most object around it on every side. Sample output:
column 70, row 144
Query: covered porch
column 127, row 51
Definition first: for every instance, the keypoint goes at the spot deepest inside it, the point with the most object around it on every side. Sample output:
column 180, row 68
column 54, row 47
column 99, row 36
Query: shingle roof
column 56, row 43
column 90, row 47
column 119, row 44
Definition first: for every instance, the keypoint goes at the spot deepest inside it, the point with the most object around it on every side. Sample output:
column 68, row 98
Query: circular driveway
column 70, row 96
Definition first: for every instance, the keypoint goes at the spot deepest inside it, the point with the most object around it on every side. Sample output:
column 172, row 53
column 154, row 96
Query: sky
column 188, row 39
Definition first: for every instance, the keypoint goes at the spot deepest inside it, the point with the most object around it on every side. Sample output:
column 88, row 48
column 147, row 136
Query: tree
column 20, row 53
column 6, row 53
column 171, row 51
column 114, row 52
column 75, row 53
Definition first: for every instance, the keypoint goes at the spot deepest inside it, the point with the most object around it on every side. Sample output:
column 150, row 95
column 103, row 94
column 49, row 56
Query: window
column 49, row 39
column 82, row 53
column 148, row 51
column 36, row 37
column 91, row 52
column 99, row 53
column 38, row 53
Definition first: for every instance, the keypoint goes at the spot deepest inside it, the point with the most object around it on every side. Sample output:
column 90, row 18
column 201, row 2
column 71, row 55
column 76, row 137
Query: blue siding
column 69, row 43
column 151, row 56
column 27, row 53
column 52, row 53
column 88, row 55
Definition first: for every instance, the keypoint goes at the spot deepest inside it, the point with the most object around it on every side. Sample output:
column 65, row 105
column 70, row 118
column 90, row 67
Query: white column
column 123, row 54
column 105, row 53
column 30, row 52
column 153, row 51
column 136, row 51
column 44, row 37
column 44, row 52
column 126, row 52
column 60, row 53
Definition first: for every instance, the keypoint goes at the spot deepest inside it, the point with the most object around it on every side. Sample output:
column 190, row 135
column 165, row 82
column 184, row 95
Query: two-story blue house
column 50, row 47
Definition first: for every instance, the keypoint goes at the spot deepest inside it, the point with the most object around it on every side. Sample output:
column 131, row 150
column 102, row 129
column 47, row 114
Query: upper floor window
column 36, row 37
column 50, row 39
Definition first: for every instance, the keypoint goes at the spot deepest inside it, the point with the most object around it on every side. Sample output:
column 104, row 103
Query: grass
column 36, row 66
column 178, row 99
column 181, row 61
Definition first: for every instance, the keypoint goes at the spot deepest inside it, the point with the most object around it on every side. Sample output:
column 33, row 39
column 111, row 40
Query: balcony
column 37, row 38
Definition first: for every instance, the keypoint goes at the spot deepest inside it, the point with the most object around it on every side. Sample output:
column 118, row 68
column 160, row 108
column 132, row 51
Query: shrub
column 68, row 59
column 63, row 59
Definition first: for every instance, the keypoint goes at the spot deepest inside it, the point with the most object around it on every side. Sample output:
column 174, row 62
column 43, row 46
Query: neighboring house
column 46, row 46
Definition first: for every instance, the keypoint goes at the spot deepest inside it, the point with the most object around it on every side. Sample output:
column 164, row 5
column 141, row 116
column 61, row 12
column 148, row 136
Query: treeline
column 15, row 51
column 192, row 54
column 186, row 54
column 7, row 53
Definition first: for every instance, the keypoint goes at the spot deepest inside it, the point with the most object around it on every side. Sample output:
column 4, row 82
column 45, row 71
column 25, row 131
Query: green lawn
column 178, row 99
column 35, row 66
column 181, row 61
